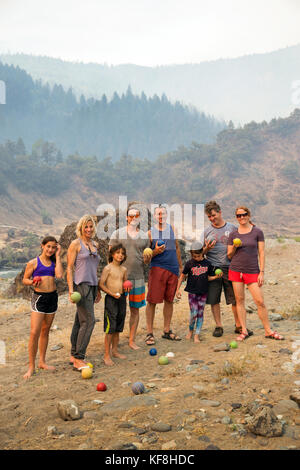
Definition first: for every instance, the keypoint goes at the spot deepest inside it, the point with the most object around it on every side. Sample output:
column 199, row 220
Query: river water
column 8, row 273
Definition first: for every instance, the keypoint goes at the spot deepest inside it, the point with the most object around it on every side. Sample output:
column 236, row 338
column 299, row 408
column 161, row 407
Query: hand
column 72, row 302
column 260, row 279
column 178, row 295
column 98, row 297
column 58, row 250
column 209, row 244
column 159, row 249
column 218, row 276
column 147, row 258
column 117, row 295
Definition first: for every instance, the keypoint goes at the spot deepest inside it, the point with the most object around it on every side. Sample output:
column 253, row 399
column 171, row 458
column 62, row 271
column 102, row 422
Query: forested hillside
column 253, row 87
column 126, row 124
column 257, row 165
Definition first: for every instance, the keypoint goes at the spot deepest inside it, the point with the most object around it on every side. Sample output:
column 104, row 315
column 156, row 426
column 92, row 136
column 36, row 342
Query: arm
column 261, row 256
column 158, row 249
column 31, row 265
column 178, row 253
column 71, row 257
column 182, row 278
column 231, row 249
column 58, row 266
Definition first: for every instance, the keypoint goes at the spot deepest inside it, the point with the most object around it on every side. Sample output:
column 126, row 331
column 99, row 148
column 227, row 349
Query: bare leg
column 150, row 313
column 216, row 311
column 236, row 317
column 114, row 346
column 258, row 298
column 168, row 313
column 239, row 293
column 43, row 343
column 133, row 324
column 36, row 326
column 107, row 345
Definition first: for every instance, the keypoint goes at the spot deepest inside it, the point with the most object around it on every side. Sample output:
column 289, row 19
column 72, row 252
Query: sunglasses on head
column 238, row 216
column 91, row 253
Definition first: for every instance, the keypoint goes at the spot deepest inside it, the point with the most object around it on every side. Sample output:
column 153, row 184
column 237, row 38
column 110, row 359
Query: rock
column 284, row 406
column 171, row 445
column 296, row 398
column 288, row 367
column 161, row 427
column 276, row 317
column 204, row 438
column 291, row 432
column 68, row 410
column 52, row 431
column 188, row 395
column 236, row 406
column 126, row 446
column 222, row 347
column 211, row 403
column 91, row 415
column 167, row 389
column 225, row 381
column 57, row 347
column 285, row 351
column 196, row 361
column 265, row 423
column 212, row 447
column 226, row 420
column 199, row 388
column 127, row 403
column 297, row 382
column 192, row 367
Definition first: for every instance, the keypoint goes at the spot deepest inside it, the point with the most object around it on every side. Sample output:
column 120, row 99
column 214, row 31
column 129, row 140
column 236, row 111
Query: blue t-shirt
column 168, row 259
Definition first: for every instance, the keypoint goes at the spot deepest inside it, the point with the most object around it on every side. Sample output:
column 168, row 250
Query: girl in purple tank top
column 40, row 273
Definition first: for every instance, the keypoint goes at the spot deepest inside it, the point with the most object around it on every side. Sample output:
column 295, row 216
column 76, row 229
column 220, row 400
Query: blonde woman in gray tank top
column 83, row 261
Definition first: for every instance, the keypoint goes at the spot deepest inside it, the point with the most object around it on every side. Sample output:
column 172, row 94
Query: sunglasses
column 92, row 254
column 238, row 216
column 136, row 216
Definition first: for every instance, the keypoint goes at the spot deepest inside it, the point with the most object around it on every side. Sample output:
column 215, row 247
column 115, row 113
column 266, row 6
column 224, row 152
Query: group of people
column 217, row 264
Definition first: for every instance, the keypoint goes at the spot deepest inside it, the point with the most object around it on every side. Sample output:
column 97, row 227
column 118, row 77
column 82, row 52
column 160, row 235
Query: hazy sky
column 147, row 32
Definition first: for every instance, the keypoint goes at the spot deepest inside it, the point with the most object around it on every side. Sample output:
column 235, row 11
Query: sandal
column 238, row 331
column 150, row 341
column 167, row 335
column 275, row 335
column 242, row 337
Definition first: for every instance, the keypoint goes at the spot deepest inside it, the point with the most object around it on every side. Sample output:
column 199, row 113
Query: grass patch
column 239, row 366
column 297, row 239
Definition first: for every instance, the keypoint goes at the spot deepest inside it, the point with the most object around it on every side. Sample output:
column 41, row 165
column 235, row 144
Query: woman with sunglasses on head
column 83, row 259
column 246, row 250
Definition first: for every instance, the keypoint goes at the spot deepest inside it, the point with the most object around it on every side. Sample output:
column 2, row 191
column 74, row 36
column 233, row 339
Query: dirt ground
column 258, row 371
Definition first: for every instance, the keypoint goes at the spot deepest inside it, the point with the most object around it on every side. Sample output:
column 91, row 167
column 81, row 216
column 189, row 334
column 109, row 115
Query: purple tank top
column 42, row 270
column 86, row 265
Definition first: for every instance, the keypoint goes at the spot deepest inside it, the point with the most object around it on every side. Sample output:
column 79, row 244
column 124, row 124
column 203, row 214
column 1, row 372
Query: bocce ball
column 153, row 352
column 76, row 297
column 233, row 345
column 86, row 373
column 237, row 242
column 163, row 360
column 148, row 252
column 218, row 271
column 138, row 388
column 127, row 285
column 101, row 387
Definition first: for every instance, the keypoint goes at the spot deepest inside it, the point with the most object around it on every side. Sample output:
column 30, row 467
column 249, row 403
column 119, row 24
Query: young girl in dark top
column 199, row 272
column 40, row 273
column 247, row 268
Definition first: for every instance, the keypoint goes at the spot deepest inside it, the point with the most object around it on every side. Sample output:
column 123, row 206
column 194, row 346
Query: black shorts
column 44, row 302
column 114, row 314
column 215, row 289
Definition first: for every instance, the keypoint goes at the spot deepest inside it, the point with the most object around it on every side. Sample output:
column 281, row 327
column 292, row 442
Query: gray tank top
column 86, row 265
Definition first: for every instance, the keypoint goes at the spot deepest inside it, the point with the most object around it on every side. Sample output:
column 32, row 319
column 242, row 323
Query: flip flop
column 238, row 331
column 150, row 337
column 167, row 335
column 275, row 335
column 242, row 337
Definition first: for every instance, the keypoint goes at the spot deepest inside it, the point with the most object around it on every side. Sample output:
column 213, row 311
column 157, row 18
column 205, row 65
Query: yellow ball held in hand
column 237, row 242
column 148, row 252
column 86, row 373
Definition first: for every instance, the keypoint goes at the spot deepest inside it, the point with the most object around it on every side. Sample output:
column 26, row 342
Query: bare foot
column 134, row 346
column 108, row 361
column 29, row 373
column 46, row 367
column 117, row 354
column 196, row 339
column 72, row 359
column 79, row 363
column 189, row 335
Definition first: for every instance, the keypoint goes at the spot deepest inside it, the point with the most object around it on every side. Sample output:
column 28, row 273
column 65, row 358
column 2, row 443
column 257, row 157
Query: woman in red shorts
column 247, row 267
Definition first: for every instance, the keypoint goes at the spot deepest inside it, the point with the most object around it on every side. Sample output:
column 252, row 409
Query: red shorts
column 162, row 285
column 246, row 278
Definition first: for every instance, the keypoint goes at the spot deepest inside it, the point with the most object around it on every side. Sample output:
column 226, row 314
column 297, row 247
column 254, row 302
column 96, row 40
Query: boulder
column 68, row 410
column 265, row 423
